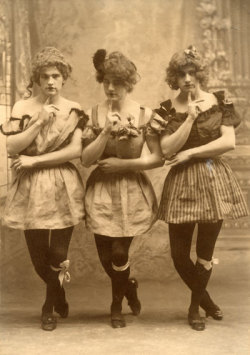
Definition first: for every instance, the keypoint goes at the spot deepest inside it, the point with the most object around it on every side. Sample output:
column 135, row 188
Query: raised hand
column 193, row 107
column 48, row 111
column 112, row 119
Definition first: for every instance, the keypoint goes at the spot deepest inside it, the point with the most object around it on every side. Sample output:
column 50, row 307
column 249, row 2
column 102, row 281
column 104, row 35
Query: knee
column 203, row 265
column 57, row 256
column 119, row 257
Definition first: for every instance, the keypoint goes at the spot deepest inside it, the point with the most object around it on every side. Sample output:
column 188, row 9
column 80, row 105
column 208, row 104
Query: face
column 51, row 81
column 187, row 80
column 114, row 88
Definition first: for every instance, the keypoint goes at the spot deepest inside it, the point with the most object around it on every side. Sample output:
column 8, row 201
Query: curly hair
column 48, row 56
column 117, row 65
column 189, row 56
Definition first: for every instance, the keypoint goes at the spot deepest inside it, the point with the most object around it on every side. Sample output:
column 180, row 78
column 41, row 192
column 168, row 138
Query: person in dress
column 120, row 202
column 200, row 188
column 45, row 198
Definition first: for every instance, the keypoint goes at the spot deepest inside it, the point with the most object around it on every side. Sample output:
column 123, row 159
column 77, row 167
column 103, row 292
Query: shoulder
column 71, row 104
column 21, row 107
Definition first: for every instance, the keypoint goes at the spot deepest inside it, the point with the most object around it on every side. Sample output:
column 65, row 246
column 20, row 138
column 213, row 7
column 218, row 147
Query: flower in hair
column 191, row 52
column 99, row 58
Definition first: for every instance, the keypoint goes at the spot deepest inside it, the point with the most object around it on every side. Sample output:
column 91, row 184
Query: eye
column 117, row 83
column 192, row 73
column 181, row 74
column 105, row 81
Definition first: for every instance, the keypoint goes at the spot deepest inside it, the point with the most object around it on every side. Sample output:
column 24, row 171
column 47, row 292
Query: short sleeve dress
column 121, row 204
column 45, row 198
column 201, row 190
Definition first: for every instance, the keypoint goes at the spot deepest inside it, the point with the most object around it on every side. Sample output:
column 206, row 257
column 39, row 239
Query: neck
column 49, row 100
column 117, row 105
column 195, row 95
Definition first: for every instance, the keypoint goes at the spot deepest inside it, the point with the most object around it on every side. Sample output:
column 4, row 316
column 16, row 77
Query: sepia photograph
column 124, row 177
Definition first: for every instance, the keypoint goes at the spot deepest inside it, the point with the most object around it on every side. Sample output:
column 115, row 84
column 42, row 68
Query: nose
column 50, row 80
column 187, row 78
column 111, row 87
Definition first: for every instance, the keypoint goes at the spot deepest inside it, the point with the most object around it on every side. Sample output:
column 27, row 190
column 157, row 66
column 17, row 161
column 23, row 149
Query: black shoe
column 196, row 322
column 215, row 313
column 117, row 320
column 48, row 321
column 131, row 295
column 62, row 309
column 210, row 308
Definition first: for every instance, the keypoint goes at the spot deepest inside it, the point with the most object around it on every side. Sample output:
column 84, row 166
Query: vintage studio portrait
column 124, row 177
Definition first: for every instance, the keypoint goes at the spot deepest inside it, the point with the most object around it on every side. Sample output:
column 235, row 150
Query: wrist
column 192, row 152
column 38, row 123
column 105, row 132
column 36, row 161
column 190, row 119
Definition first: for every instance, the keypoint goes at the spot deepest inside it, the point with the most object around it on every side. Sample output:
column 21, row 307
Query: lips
column 189, row 86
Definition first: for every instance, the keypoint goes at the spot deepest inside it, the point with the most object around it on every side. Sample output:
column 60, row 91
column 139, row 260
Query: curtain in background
column 148, row 32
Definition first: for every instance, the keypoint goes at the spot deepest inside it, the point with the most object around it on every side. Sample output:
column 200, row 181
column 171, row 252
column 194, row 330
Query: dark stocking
column 45, row 253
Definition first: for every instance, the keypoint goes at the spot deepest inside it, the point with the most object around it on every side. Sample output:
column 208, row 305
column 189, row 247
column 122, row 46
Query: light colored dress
column 45, row 198
column 121, row 204
column 205, row 189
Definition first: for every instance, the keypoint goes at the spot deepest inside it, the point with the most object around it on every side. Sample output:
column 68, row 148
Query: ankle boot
column 131, row 295
column 61, row 306
column 210, row 307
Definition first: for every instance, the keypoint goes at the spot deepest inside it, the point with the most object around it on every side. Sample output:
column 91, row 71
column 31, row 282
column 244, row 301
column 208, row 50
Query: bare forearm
column 148, row 162
column 18, row 142
column 170, row 144
column 94, row 150
column 59, row 157
column 212, row 149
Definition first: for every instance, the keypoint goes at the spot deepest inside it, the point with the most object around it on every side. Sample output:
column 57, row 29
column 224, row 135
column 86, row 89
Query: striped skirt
column 201, row 191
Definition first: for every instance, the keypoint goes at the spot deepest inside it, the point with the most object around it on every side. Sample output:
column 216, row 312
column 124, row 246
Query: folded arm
column 18, row 142
column 217, row 147
column 150, row 161
column 71, row 151
column 170, row 144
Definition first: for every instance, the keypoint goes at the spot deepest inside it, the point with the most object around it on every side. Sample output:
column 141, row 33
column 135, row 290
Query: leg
column 206, row 239
column 180, row 242
column 120, row 276
column 104, row 249
column 59, row 245
column 38, row 245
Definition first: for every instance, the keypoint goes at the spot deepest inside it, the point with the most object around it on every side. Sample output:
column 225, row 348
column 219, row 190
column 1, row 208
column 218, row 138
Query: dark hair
column 115, row 64
column 189, row 56
column 48, row 56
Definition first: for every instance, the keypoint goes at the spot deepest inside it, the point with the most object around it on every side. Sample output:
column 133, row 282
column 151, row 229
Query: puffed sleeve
column 229, row 116
column 156, row 125
column 15, row 125
column 83, row 118
column 169, row 122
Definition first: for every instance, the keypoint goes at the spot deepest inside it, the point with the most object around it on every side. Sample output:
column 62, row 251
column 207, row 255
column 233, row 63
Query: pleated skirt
column 201, row 191
column 45, row 198
column 119, row 204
